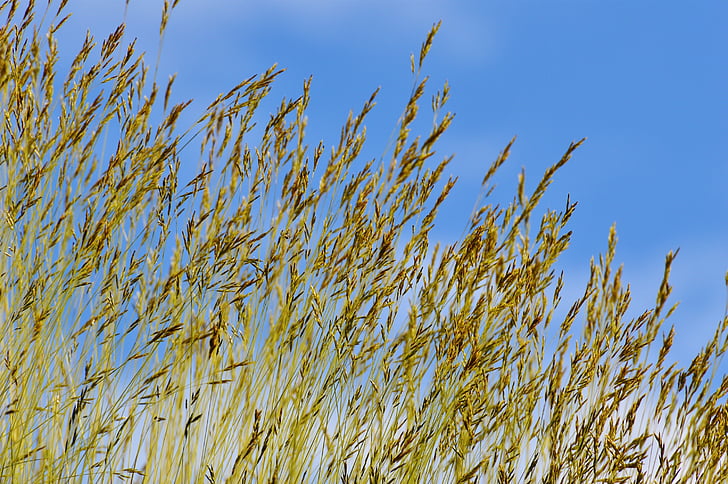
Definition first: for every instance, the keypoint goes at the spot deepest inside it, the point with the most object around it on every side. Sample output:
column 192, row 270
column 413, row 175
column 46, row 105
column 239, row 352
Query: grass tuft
column 282, row 315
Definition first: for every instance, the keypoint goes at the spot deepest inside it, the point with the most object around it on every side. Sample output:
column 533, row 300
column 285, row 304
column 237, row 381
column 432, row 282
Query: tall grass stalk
column 283, row 315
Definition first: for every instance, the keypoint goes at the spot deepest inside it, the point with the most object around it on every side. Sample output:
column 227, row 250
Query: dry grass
column 283, row 317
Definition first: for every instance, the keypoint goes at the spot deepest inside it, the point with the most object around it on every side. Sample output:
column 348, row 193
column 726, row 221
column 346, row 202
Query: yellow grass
column 284, row 316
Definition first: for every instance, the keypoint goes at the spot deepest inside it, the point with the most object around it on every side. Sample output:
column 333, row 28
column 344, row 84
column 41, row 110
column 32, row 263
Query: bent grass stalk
column 283, row 315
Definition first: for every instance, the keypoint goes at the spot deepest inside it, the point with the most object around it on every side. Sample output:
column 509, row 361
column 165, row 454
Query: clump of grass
column 284, row 316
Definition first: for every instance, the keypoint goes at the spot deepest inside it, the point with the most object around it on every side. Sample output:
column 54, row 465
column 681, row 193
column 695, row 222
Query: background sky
column 645, row 81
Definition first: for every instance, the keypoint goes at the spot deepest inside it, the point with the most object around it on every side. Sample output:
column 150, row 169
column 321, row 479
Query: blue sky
column 645, row 81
